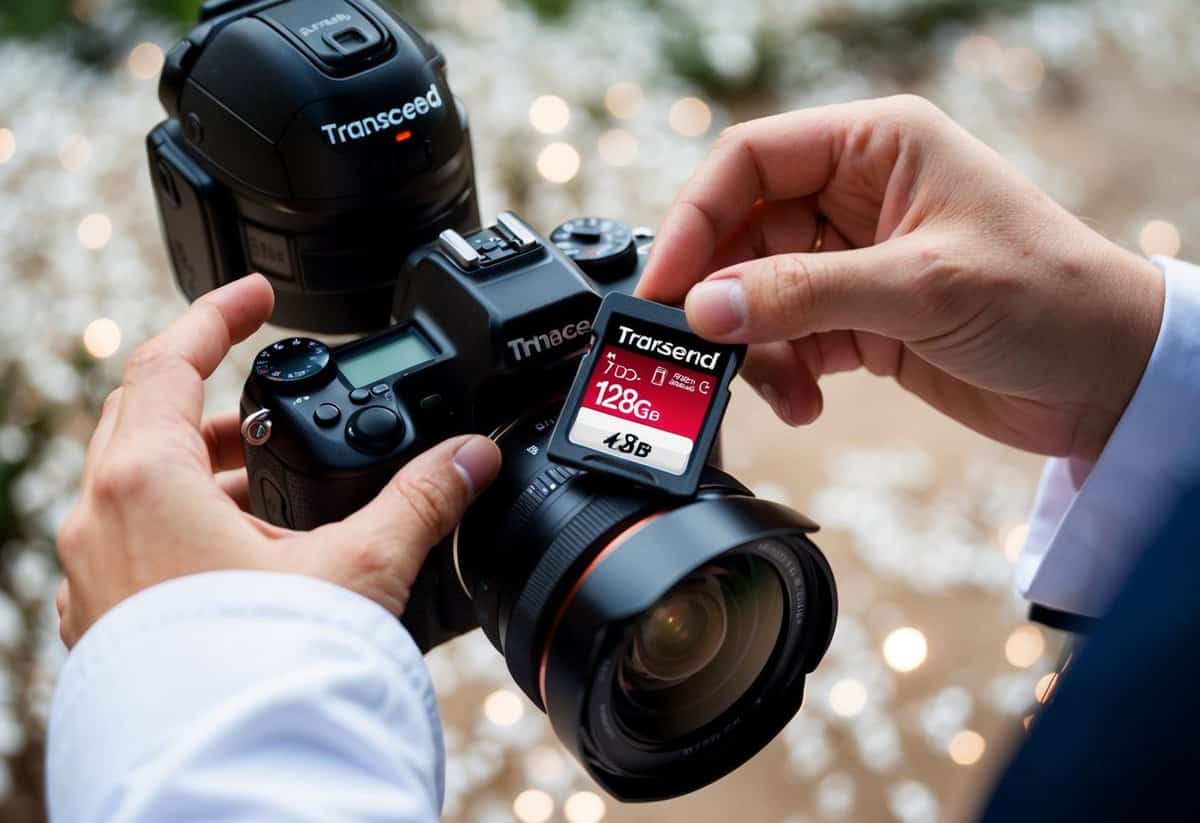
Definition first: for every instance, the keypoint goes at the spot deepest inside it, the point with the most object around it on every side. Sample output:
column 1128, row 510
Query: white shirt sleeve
column 240, row 696
column 1090, row 522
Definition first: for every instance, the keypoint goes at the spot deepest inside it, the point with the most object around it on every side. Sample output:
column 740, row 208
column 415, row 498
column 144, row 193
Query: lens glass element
column 699, row 648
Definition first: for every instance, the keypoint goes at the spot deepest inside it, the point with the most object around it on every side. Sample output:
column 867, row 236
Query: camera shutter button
column 374, row 429
column 326, row 415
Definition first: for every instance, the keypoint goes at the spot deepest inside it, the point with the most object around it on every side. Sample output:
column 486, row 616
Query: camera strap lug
column 256, row 428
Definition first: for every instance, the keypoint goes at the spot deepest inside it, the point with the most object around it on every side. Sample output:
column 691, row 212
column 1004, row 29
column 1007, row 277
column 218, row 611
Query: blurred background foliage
column 896, row 35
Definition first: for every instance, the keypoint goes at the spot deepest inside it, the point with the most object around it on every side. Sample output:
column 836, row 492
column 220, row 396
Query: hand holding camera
column 151, row 452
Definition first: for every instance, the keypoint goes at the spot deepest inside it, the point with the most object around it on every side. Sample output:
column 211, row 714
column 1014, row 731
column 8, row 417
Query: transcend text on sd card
column 649, row 397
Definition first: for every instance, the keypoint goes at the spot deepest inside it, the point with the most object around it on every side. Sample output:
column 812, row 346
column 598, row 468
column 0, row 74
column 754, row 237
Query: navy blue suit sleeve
column 1121, row 739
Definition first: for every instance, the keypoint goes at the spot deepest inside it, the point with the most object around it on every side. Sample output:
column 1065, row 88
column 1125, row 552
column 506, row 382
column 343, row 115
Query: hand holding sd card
column 649, row 397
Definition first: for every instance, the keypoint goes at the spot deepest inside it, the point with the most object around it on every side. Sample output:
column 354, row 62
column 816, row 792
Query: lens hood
column 580, row 657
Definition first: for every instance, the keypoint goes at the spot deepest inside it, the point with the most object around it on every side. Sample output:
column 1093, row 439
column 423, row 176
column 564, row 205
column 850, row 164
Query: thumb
column 385, row 542
column 788, row 296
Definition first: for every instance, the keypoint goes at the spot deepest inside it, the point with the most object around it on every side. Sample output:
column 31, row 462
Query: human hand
column 939, row 265
column 164, row 494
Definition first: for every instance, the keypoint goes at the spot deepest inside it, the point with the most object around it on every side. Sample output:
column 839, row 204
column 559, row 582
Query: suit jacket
column 1120, row 741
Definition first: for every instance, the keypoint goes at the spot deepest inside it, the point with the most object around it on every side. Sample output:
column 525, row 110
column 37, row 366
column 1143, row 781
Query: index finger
column 165, row 376
column 780, row 157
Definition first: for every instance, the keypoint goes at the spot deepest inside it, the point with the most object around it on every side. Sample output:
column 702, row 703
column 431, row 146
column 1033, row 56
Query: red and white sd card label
column 645, row 409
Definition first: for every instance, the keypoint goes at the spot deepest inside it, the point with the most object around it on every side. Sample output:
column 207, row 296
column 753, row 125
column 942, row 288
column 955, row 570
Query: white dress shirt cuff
column 1090, row 523
column 249, row 694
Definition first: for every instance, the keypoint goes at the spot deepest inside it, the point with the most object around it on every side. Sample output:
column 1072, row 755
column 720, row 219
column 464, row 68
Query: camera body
column 570, row 574
column 490, row 326
column 667, row 636
column 343, row 147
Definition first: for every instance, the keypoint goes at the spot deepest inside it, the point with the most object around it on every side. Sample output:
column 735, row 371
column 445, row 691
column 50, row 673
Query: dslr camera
column 667, row 638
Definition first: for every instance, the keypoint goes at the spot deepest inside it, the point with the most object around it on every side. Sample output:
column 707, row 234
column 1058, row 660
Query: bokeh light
column 145, row 61
column 549, row 114
column 847, row 697
column 623, row 99
column 75, row 152
column 584, row 807
column 102, row 338
column 1024, row 646
column 95, row 231
column 905, row 649
column 978, row 54
column 690, row 116
column 967, row 747
column 533, row 806
column 617, row 147
column 545, row 764
column 503, row 707
column 1160, row 237
column 558, row 162
column 8, row 145
column 1022, row 70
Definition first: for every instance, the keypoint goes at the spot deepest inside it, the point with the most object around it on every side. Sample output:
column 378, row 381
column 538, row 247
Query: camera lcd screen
column 648, row 395
column 393, row 355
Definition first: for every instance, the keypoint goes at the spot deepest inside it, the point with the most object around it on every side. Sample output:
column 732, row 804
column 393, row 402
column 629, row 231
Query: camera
column 666, row 637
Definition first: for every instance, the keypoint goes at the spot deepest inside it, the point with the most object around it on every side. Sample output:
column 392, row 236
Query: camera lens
column 700, row 648
column 680, row 635
column 667, row 639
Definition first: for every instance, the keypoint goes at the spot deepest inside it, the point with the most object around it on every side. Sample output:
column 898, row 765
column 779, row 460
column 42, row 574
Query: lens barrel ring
column 531, row 615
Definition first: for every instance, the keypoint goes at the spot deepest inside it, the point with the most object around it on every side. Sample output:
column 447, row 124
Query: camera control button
column 360, row 396
column 379, row 389
column 375, row 429
column 433, row 404
column 326, row 415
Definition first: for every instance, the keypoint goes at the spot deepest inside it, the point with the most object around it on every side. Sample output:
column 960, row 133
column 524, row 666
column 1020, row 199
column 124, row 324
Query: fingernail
column 477, row 461
column 717, row 307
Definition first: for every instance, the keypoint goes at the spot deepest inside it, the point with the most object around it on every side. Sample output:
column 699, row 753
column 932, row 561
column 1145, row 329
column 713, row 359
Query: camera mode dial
column 293, row 364
column 605, row 249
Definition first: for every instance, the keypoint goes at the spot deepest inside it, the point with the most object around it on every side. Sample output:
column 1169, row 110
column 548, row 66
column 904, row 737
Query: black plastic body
column 668, row 326
column 308, row 474
column 318, row 153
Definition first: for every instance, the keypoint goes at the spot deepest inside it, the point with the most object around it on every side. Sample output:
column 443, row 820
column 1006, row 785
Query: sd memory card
column 649, row 397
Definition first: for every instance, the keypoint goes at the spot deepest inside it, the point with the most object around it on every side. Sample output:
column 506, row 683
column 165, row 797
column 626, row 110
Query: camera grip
column 294, row 500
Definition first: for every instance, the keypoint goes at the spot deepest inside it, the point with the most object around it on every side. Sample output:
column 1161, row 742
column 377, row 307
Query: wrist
column 1134, row 292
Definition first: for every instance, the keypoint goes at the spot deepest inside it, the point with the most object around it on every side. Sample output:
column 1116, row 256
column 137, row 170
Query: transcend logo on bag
column 419, row 106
